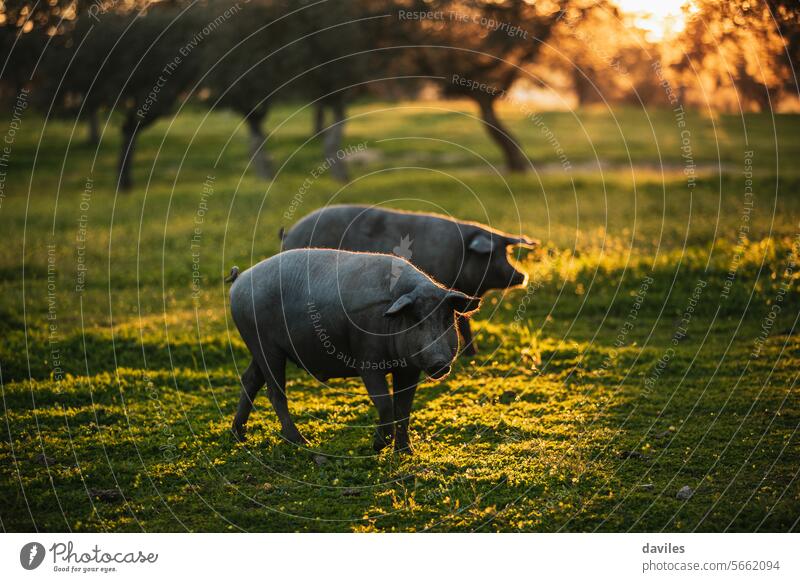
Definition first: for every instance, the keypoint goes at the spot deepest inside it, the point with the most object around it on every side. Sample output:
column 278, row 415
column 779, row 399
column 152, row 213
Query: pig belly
column 326, row 366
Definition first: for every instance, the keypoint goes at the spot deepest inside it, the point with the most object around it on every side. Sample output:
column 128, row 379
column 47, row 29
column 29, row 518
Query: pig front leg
column 405, row 386
column 378, row 391
column 468, row 347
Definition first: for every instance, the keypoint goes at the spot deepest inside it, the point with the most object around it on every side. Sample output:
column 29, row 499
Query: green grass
column 585, row 410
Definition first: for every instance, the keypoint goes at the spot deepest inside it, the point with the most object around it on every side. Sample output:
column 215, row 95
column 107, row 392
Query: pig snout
column 518, row 278
column 439, row 369
column 439, row 354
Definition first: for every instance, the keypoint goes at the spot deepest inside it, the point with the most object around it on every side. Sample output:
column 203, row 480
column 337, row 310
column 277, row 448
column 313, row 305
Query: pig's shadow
column 364, row 424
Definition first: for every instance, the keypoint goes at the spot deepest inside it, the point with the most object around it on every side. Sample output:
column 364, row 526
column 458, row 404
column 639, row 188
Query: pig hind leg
column 274, row 367
column 252, row 381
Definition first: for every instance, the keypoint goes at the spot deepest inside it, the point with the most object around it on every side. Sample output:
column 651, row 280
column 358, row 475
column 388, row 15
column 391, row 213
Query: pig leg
column 252, row 381
column 469, row 347
column 378, row 391
column 276, row 390
column 405, row 386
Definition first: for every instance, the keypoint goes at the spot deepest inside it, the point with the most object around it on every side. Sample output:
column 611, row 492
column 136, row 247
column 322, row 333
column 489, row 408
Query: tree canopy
column 137, row 60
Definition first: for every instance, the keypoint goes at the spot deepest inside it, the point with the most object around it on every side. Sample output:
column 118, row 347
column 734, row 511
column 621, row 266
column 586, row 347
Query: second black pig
column 466, row 256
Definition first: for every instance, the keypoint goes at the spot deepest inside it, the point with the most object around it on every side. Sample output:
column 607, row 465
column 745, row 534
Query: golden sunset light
column 363, row 266
column 662, row 20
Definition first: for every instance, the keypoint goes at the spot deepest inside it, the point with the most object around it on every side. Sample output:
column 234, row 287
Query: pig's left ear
column 523, row 241
column 461, row 303
column 403, row 302
column 481, row 243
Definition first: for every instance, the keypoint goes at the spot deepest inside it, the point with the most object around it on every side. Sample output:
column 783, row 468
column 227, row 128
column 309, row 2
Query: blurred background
column 141, row 60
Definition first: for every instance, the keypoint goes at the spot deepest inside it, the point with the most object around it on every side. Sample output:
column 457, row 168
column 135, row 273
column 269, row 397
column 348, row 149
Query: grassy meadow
column 654, row 348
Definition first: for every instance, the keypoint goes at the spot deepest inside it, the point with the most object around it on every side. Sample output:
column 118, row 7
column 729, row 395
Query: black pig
column 466, row 256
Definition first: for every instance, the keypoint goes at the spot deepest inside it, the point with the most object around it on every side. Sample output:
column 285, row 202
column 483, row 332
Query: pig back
column 323, row 308
column 433, row 243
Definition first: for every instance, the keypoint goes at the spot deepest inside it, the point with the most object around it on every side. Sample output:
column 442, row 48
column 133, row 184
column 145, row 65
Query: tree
column 245, row 68
column 477, row 50
column 786, row 14
column 285, row 50
column 605, row 58
column 72, row 80
column 136, row 63
column 334, row 62
column 736, row 44
column 161, row 60
column 25, row 28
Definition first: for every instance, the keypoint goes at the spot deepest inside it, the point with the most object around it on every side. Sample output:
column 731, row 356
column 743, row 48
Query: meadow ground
column 653, row 349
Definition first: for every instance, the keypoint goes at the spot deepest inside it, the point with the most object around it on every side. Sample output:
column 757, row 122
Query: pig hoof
column 381, row 441
column 294, row 437
column 238, row 432
column 469, row 351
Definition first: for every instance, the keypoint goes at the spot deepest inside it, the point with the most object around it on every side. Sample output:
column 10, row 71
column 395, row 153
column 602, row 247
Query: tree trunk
column 681, row 94
column 582, row 87
column 763, row 98
column 332, row 143
column 130, row 131
column 94, row 129
column 260, row 159
column 319, row 118
column 516, row 161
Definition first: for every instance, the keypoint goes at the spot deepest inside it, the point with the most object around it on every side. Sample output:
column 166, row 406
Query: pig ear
column 523, row 241
column 481, row 243
column 462, row 303
column 403, row 302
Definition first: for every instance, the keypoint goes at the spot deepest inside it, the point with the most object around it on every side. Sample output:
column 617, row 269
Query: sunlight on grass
column 552, row 426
